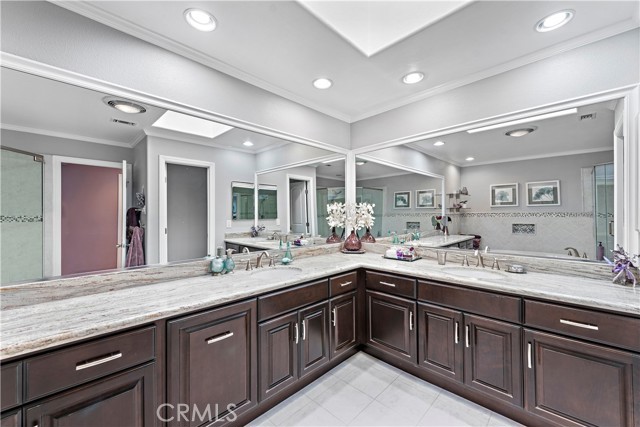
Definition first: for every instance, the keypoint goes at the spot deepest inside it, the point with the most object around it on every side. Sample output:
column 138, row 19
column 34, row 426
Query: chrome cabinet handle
column 220, row 337
column 466, row 336
column 393, row 285
column 295, row 326
column 333, row 321
column 457, row 334
column 304, row 331
column 529, row 355
column 91, row 363
column 345, row 284
column 411, row 320
column 579, row 325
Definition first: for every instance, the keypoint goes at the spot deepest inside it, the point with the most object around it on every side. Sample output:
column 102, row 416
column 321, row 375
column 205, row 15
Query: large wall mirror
column 542, row 187
column 80, row 172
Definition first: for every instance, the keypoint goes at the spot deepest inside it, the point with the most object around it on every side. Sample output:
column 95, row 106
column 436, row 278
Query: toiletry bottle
column 288, row 257
column 600, row 252
column 229, row 264
column 217, row 264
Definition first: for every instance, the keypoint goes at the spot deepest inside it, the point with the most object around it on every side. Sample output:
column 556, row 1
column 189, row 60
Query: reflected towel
column 135, row 256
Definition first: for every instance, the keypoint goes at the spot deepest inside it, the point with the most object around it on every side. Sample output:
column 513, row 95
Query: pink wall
column 89, row 218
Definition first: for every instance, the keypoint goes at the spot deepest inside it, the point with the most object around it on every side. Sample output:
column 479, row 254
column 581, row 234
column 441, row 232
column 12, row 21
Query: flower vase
column 368, row 237
column 333, row 237
column 352, row 243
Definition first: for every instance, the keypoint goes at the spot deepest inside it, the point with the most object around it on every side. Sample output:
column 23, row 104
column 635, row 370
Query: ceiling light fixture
column 200, row 20
column 525, row 120
column 517, row 133
column 413, row 77
column 438, row 143
column 248, row 144
column 322, row 83
column 554, row 21
column 360, row 162
column 470, row 159
column 125, row 106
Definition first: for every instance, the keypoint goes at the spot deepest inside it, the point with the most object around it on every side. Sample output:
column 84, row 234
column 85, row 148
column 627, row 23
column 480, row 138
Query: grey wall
column 289, row 154
column 229, row 166
column 46, row 33
column 608, row 64
column 477, row 179
column 328, row 182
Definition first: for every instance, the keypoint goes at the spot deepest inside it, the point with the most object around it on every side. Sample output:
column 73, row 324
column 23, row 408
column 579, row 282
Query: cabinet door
column 493, row 358
column 125, row 399
column 12, row 419
column 343, row 323
column 212, row 364
column 440, row 347
column 574, row 383
column 314, row 337
column 390, row 325
column 279, row 340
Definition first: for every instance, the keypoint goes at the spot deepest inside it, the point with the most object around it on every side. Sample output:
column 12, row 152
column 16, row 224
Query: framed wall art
column 402, row 199
column 543, row 193
column 503, row 195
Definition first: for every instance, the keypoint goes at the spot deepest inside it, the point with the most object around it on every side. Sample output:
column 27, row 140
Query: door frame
column 162, row 190
column 311, row 203
column 56, row 192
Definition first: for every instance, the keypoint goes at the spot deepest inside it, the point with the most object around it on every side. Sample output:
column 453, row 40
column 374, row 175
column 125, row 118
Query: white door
column 122, row 217
column 298, row 203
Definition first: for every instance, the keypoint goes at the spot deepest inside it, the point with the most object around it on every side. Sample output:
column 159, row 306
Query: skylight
column 179, row 122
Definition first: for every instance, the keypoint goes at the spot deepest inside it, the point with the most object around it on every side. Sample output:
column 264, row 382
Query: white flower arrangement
column 336, row 213
column 351, row 217
column 365, row 214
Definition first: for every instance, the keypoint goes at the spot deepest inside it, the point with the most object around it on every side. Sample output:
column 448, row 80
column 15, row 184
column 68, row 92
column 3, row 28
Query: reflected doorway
column 299, row 206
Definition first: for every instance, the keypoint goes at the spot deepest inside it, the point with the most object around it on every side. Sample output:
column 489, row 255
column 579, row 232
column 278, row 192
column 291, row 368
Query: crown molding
column 54, row 134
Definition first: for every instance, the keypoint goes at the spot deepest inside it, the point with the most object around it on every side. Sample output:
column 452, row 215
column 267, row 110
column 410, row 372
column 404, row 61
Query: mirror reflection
column 243, row 201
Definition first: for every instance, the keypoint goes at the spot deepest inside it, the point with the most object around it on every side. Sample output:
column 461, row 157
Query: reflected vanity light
column 200, row 20
column 525, row 120
column 438, row 143
column 360, row 162
column 248, row 144
column 470, row 159
column 517, row 133
column 322, row 83
column 554, row 21
column 413, row 77
column 125, row 106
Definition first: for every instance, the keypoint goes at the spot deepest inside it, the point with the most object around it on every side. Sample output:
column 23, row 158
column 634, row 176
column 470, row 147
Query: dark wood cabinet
column 391, row 325
column 291, row 346
column 11, row 419
column 571, row 383
column 440, row 344
column 11, row 385
column 344, row 332
column 493, row 358
column 125, row 399
column 212, row 364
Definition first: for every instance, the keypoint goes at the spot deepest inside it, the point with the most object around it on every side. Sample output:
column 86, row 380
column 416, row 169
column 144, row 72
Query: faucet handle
column 272, row 260
column 249, row 266
column 495, row 265
column 465, row 261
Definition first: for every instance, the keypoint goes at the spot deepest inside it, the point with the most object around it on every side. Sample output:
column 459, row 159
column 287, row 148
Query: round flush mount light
column 554, row 21
column 470, row 159
column 125, row 106
column 200, row 19
column 438, row 143
column 413, row 77
column 248, row 144
column 517, row 133
column 360, row 162
column 322, row 83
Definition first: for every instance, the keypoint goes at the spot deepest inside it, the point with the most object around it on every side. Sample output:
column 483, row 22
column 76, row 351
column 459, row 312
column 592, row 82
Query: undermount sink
column 473, row 273
column 282, row 273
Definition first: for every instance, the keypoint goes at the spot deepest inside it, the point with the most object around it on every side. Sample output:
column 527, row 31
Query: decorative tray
column 403, row 259
column 344, row 251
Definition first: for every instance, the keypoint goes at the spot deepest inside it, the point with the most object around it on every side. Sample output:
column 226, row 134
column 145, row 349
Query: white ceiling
column 281, row 47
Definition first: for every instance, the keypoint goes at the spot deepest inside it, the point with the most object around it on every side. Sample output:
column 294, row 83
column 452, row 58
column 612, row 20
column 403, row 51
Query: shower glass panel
column 373, row 196
column 326, row 196
column 603, row 176
column 21, row 227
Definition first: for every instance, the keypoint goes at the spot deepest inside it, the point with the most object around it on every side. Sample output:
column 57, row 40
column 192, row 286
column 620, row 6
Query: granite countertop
column 38, row 326
column 440, row 241
column 267, row 244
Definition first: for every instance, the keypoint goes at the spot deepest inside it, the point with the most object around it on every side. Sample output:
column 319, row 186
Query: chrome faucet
column 480, row 261
column 259, row 260
column 572, row 251
column 246, row 250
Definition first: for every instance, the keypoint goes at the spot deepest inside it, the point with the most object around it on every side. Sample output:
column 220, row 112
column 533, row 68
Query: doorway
column 186, row 209
column 300, row 204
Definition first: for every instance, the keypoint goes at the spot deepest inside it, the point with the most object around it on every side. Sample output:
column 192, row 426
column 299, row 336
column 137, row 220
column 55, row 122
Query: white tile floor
column 364, row 391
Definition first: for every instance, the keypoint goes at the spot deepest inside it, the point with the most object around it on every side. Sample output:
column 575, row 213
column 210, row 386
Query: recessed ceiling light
column 517, row 133
column 554, row 21
column 413, row 77
column 470, row 159
column 438, row 143
column 125, row 106
column 322, row 83
column 360, row 162
column 200, row 20
column 525, row 120
column 248, row 144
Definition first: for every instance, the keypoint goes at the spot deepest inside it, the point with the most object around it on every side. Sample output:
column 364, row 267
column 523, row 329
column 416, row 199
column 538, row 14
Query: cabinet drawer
column 83, row 362
column 606, row 328
column 291, row 299
column 11, row 375
column 473, row 301
column 391, row 284
column 343, row 283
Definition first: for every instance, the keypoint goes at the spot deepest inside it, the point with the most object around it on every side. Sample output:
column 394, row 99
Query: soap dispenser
column 229, row 263
column 288, row 257
column 600, row 252
column 217, row 264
